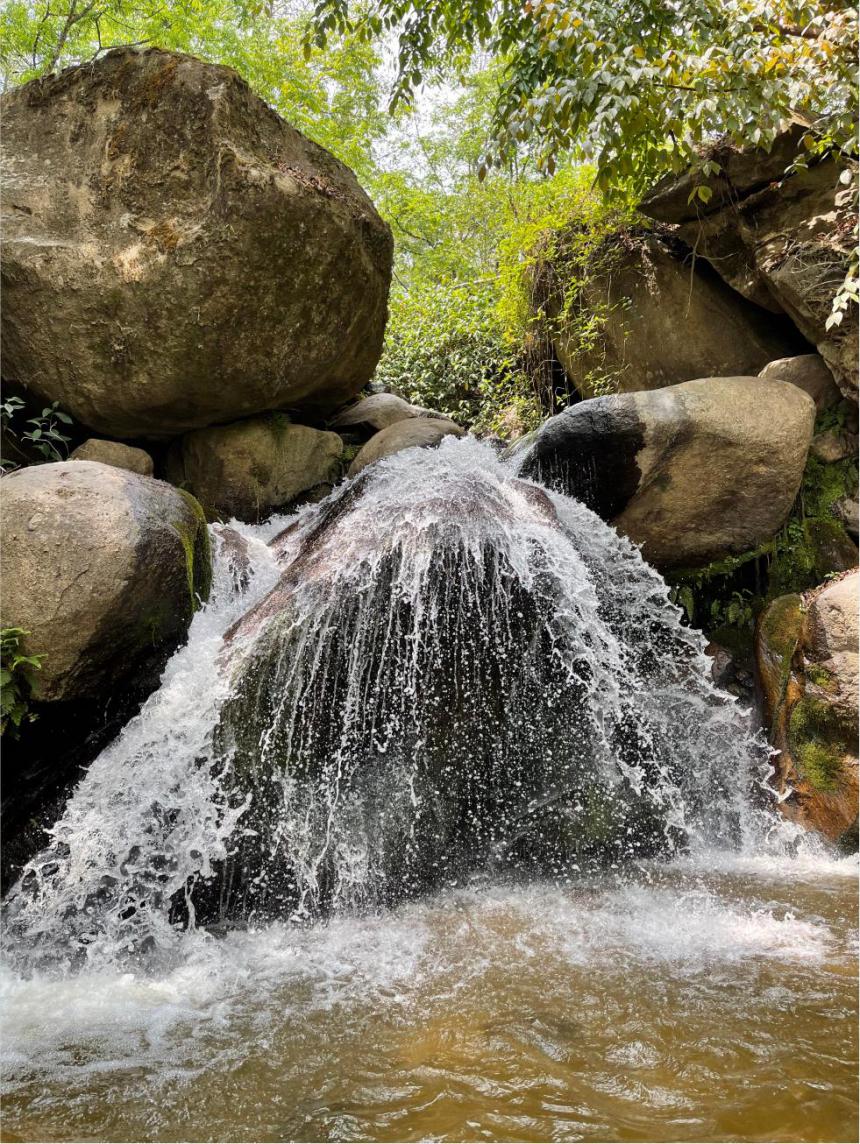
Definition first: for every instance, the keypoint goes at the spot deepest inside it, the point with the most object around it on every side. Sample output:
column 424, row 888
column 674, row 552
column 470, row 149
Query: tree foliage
column 466, row 330
column 637, row 86
column 559, row 107
column 335, row 95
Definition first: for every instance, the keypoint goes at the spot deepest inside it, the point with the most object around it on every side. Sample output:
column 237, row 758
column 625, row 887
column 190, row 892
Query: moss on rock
column 198, row 551
column 814, row 736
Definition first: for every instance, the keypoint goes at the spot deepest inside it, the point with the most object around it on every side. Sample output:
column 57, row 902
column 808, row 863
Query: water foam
column 440, row 668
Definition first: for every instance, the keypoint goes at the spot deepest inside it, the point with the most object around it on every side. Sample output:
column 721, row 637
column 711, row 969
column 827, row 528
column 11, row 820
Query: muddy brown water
column 696, row 1002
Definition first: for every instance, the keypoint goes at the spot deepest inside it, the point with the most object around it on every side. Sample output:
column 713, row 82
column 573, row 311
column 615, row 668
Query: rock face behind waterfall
column 781, row 238
column 691, row 472
column 443, row 681
column 176, row 255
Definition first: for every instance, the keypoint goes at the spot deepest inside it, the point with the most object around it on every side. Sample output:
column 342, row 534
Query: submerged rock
column 251, row 468
column 175, row 254
column 418, row 432
column 102, row 568
column 697, row 471
column 668, row 319
column 116, row 454
column 807, row 660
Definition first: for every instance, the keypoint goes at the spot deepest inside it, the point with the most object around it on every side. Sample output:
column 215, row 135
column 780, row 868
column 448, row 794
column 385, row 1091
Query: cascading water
column 453, row 719
column 441, row 670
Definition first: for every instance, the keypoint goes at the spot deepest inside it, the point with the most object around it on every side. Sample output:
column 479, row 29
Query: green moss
column 278, row 422
column 821, row 677
column 825, row 484
column 811, row 545
column 725, row 566
column 821, row 765
column 198, row 552
column 830, row 547
column 781, row 624
column 815, row 735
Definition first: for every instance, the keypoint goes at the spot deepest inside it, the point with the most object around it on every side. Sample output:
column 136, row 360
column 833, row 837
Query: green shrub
column 15, row 681
column 444, row 349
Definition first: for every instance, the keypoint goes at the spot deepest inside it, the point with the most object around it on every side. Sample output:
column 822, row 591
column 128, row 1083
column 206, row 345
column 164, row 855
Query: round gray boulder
column 378, row 411
column 116, row 454
column 176, row 255
column 420, row 432
column 102, row 568
column 809, row 372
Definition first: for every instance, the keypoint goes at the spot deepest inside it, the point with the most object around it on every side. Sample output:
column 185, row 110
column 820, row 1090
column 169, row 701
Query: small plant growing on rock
column 45, row 436
column 41, row 436
column 15, row 681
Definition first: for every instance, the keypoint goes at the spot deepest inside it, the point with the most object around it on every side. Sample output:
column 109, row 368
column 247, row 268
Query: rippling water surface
column 706, row 1001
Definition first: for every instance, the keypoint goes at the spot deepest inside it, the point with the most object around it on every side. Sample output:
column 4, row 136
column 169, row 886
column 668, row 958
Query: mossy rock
column 777, row 635
column 831, row 549
column 815, row 738
column 196, row 545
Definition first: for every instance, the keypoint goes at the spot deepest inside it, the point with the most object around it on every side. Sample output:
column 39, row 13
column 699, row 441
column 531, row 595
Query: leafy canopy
column 335, row 95
column 637, row 86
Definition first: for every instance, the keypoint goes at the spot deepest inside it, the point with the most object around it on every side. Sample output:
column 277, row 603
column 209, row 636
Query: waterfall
column 441, row 671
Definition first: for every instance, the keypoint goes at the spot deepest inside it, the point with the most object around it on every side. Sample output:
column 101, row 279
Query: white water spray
column 440, row 670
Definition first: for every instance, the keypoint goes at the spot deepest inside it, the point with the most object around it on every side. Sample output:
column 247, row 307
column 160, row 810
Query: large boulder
column 700, row 470
column 249, row 469
column 116, row 454
column 414, row 433
column 666, row 318
column 176, row 255
column 784, row 241
column 102, row 568
column 806, row 653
